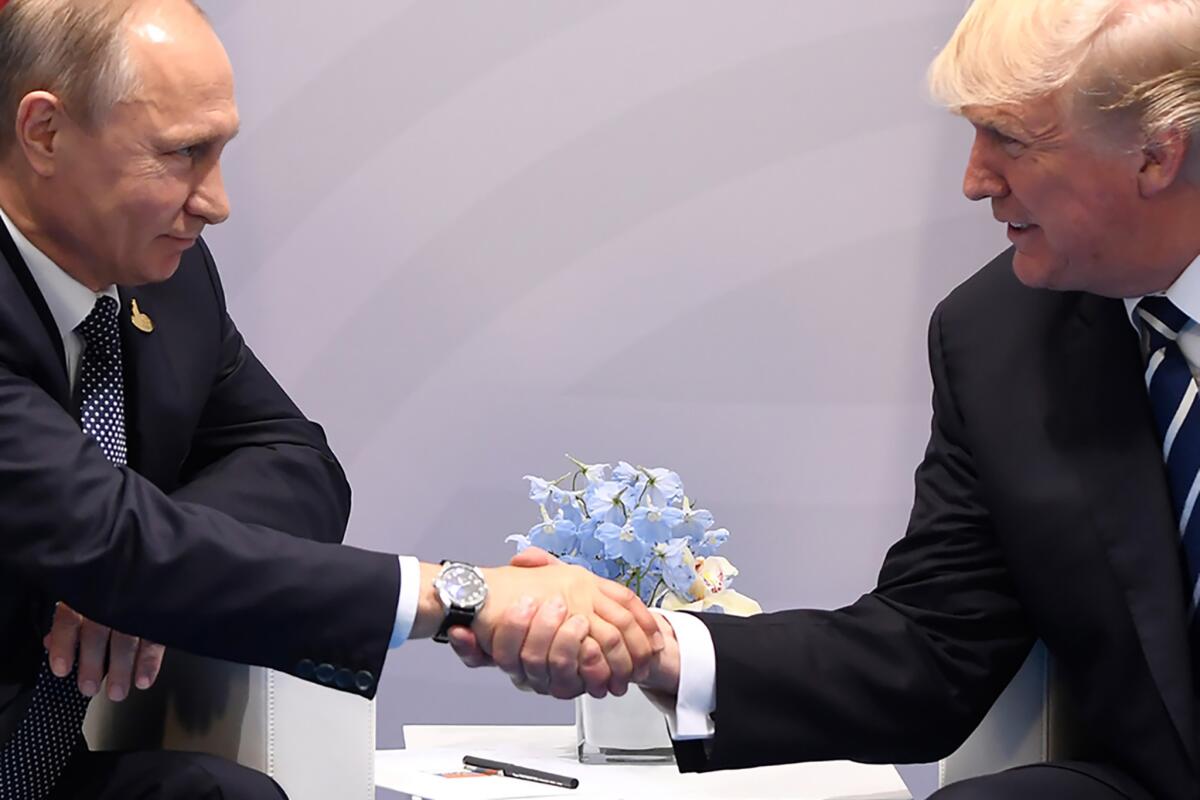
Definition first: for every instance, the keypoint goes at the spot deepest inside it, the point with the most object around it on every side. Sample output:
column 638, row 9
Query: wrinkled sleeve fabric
column 906, row 672
column 253, row 454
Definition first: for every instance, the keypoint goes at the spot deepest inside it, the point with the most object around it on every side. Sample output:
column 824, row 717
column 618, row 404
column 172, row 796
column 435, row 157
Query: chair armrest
column 1030, row 722
column 316, row 742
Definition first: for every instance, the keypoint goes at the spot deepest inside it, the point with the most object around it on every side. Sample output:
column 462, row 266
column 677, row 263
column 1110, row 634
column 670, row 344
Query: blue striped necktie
column 1173, row 398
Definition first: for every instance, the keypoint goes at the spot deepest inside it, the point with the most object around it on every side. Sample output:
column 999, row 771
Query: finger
column 533, row 557
column 122, row 652
column 520, row 684
column 63, row 639
column 93, row 647
column 637, row 643
column 509, row 635
column 612, row 643
column 593, row 668
column 149, row 662
column 641, row 615
column 466, row 647
column 535, row 651
column 563, row 658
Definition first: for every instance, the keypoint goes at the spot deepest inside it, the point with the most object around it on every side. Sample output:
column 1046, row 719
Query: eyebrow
column 194, row 138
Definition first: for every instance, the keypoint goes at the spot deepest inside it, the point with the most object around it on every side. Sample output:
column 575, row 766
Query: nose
column 209, row 201
column 981, row 181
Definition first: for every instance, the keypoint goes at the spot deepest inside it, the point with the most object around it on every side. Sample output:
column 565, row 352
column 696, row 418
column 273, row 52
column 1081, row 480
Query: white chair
column 317, row 743
column 1027, row 724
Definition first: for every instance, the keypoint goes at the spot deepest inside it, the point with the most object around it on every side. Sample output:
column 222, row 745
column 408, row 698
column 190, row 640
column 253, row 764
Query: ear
column 1163, row 160
column 40, row 117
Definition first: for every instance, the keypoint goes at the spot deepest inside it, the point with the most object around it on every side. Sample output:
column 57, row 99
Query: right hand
column 100, row 652
column 559, row 659
column 593, row 635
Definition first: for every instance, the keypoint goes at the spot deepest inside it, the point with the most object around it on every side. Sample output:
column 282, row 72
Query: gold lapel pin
column 140, row 321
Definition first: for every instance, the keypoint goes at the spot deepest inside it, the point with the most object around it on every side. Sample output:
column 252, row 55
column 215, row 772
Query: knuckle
column 562, row 664
column 608, row 639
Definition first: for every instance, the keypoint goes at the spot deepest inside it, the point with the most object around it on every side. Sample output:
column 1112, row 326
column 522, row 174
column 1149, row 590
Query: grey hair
column 75, row 49
column 1138, row 58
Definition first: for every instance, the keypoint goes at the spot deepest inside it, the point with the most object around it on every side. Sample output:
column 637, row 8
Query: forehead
column 1031, row 116
column 185, row 80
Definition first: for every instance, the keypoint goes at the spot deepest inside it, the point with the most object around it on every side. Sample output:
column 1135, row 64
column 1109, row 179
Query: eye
column 1010, row 145
column 191, row 151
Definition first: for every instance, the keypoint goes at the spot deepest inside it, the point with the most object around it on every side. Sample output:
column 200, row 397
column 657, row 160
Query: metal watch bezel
column 446, row 577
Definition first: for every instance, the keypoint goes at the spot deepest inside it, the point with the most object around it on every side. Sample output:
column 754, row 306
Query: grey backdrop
column 471, row 236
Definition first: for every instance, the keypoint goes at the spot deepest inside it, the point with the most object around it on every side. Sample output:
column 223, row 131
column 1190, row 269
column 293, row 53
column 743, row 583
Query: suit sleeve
column 904, row 674
column 254, row 455
column 116, row 548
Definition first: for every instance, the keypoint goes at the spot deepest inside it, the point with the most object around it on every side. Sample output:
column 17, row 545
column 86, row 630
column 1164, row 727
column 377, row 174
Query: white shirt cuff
column 406, row 603
column 697, row 698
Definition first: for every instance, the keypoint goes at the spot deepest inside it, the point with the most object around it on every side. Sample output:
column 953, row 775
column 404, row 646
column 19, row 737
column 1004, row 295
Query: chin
column 158, row 270
column 1039, row 272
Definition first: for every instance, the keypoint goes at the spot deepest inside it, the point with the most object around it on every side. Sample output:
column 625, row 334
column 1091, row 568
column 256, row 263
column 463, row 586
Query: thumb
column 533, row 557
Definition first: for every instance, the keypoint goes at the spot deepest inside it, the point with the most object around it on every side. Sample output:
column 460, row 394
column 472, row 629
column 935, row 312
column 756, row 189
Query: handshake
column 557, row 629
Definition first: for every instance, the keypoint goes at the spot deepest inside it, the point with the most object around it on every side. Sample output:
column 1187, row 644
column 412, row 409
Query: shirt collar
column 69, row 300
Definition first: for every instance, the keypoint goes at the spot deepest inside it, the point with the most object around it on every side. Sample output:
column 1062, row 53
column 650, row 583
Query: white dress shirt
column 70, row 302
column 1185, row 294
column 691, row 717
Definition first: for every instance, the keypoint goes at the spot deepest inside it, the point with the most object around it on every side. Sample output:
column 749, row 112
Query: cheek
column 151, row 207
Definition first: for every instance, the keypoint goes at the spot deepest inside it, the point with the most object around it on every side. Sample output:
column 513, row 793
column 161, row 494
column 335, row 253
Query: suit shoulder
column 993, row 296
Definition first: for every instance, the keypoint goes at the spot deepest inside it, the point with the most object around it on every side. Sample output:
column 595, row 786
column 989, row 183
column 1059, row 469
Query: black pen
column 523, row 773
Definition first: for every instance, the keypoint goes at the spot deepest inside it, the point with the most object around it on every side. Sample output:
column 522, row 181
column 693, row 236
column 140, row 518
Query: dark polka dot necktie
column 34, row 757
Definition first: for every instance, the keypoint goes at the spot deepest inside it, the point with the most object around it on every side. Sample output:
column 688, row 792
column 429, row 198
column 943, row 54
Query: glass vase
column 621, row 730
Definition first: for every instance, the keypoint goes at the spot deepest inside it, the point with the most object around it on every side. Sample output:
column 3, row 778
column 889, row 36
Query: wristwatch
column 463, row 591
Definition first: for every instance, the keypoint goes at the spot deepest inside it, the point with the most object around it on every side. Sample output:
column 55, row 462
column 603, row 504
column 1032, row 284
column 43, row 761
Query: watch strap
column 455, row 615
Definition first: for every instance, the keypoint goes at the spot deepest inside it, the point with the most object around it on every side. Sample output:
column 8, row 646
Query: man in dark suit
column 1057, row 497
column 154, row 479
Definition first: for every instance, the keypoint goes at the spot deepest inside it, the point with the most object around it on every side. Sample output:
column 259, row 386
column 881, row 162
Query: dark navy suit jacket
column 220, row 537
column 1041, row 511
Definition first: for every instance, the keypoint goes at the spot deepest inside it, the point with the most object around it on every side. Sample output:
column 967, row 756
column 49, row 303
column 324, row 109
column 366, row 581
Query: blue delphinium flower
column 626, row 523
column 539, row 489
column 590, row 546
column 594, row 474
column 622, row 542
column 709, row 542
column 694, row 523
column 627, row 474
column 654, row 524
column 606, row 501
column 663, row 486
column 520, row 540
column 605, row 568
column 678, row 566
column 570, row 504
column 554, row 535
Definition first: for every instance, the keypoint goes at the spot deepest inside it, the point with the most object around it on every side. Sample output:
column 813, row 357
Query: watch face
column 463, row 585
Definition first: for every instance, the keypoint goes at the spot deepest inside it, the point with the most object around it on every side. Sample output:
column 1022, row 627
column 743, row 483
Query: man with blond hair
column 1057, row 497
column 155, row 481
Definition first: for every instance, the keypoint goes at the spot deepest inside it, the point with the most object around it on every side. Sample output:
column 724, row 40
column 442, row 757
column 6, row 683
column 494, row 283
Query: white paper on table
column 418, row 772
column 551, row 748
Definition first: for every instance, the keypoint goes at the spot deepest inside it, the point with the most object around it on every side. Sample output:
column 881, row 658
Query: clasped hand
column 595, row 636
column 130, row 661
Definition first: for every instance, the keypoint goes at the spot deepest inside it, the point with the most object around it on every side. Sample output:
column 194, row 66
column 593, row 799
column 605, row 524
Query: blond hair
column 75, row 49
column 1131, row 59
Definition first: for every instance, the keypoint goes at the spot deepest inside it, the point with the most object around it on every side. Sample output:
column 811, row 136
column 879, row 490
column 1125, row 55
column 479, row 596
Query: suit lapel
column 31, row 319
column 150, row 381
column 1132, row 509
